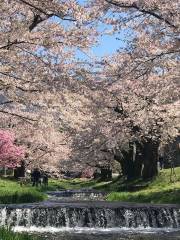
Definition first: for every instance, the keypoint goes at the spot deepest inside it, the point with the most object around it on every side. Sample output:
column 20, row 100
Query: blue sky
column 108, row 44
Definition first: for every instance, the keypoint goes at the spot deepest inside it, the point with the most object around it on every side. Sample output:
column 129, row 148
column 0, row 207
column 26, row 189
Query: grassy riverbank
column 12, row 192
column 159, row 190
column 6, row 234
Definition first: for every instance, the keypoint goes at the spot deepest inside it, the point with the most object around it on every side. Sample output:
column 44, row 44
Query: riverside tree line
column 70, row 112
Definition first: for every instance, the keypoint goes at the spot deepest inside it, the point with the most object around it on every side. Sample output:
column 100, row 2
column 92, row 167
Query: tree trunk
column 129, row 164
column 125, row 158
column 150, row 155
column 138, row 166
column 106, row 173
column 5, row 171
column 138, row 162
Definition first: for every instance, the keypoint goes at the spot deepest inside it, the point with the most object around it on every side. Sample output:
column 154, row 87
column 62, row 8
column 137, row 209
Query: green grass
column 6, row 234
column 71, row 184
column 12, row 192
column 159, row 190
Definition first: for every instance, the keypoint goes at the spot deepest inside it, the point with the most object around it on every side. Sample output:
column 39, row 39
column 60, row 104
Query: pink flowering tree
column 10, row 154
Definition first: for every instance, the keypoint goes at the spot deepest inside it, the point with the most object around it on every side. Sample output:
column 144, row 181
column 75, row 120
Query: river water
column 111, row 236
column 79, row 215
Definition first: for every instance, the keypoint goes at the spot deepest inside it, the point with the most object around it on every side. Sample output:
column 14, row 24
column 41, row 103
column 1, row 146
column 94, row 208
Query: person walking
column 45, row 179
column 36, row 175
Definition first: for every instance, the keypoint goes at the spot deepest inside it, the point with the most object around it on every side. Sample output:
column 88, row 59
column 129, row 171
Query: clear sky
column 108, row 44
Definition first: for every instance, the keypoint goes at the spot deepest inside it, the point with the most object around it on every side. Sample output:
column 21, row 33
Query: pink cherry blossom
column 10, row 154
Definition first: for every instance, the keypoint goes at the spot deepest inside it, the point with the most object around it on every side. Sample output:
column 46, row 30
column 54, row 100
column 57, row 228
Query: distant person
column 35, row 176
column 161, row 162
column 96, row 174
column 45, row 179
column 22, row 169
column 19, row 172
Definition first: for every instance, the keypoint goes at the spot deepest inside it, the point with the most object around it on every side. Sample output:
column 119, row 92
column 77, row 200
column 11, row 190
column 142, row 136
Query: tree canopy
column 91, row 109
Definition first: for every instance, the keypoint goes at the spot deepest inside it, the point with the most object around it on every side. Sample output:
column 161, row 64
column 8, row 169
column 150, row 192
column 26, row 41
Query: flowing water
column 76, row 195
column 66, row 217
column 112, row 236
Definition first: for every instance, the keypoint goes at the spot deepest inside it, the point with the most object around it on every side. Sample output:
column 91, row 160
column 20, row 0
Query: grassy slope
column 12, row 192
column 9, row 235
column 160, row 190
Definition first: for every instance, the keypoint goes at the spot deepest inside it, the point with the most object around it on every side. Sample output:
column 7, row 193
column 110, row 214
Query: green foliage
column 6, row 234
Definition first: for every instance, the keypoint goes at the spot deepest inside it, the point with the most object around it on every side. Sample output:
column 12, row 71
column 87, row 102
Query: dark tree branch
column 7, row 46
column 28, row 90
column 27, row 119
column 38, row 18
column 33, row 6
column 12, row 76
column 16, row 42
column 37, row 57
column 141, row 63
column 7, row 102
column 145, row 11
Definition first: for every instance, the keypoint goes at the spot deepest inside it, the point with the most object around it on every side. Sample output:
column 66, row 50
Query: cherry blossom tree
column 141, row 85
column 38, row 44
column 48, row 142
column 143, row 77
column 10, row 154
column 129, row 105
column 38, row 72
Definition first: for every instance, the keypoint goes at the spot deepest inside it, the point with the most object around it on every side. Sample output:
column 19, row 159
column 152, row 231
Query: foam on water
column 93, row 230
column 90, row 216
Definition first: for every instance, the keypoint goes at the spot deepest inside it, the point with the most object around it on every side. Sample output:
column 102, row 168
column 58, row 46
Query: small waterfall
column 77, row 195
column 90, row 215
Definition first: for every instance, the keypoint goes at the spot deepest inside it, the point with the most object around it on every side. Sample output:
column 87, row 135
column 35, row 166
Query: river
column 79, row 215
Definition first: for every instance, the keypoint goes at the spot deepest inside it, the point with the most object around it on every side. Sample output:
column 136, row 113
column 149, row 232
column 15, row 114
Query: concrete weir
column 74, row 214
